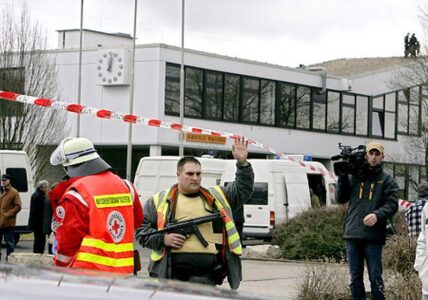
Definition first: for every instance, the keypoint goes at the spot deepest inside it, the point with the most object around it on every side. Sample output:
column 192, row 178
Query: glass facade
column 237, row 98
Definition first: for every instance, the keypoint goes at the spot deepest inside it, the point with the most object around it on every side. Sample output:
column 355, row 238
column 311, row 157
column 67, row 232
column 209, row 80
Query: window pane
column 231, row 97
column 267, row 104
column 193, row 92
column 172, row 89
column 390, row 102
column 333, row 112
column 390, row 125
column 348, row 99
column 414, row 119
column 319, row 109
column 404, row 95
column 303, row 102
column 362, row 115
column 250, row 100
column 378, row 102
column 377, row 123
column 287, row 94
column 424, row 104
column 348, row 119
column 403, row 117
column 414, row 95
column 213, row 95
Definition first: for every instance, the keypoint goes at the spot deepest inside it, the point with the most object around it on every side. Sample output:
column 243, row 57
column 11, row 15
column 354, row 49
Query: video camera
column 353, row 160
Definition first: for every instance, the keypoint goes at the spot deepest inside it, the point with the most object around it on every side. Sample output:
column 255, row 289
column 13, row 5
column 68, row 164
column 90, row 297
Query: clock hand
column 109, row 62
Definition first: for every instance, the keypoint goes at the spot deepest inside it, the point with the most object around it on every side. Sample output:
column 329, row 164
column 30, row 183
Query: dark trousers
column 357, row 251
column 39, row 242
column 194, row 267
column 7, row 233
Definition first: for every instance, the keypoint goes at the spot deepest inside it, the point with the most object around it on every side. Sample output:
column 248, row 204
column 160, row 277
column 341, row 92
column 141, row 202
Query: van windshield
column 260, row 194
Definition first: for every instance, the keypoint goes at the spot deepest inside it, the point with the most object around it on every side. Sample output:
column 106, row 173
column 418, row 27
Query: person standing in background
column 36, row 219
column 10, row 206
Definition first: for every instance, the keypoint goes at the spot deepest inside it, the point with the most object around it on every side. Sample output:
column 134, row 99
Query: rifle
column 186, row 228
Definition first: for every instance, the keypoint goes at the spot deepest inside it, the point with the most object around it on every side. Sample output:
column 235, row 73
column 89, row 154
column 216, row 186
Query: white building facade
column 296, row 111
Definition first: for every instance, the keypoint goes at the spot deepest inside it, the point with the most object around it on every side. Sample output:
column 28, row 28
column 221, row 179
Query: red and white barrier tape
column 108, row 114
column 404, row 203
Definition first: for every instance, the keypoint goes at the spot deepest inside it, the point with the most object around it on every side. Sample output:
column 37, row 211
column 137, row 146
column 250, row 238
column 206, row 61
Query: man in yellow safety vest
column 186, row 258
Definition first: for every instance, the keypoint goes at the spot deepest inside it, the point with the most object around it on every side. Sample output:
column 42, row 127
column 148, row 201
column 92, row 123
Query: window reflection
column 193, row 92
column 319, row 109
column 213, row 107
column 333, row 111
column 267, row 102
column 172, row 89
column 250, row 100
column 303, row 108
column 231, row 97
column 362, row 115
column 287, row 96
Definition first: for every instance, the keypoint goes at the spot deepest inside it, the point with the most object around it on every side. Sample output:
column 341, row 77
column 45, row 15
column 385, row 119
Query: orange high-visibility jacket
column 109, row 243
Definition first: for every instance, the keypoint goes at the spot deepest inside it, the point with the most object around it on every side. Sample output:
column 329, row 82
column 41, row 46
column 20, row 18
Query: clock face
column 112, row 67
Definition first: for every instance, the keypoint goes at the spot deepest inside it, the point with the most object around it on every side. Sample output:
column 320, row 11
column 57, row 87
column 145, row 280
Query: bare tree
column 27, row 67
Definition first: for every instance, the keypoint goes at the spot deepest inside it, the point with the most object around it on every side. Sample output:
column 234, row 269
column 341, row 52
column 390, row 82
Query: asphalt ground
column 275, row 279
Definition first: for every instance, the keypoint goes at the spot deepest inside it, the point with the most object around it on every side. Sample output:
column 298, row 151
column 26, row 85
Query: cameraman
column 372, row 200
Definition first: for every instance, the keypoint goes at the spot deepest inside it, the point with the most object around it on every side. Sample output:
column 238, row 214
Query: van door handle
column 260, row 207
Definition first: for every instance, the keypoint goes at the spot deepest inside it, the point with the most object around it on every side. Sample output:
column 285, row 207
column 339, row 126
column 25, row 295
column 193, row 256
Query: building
column 305, row 110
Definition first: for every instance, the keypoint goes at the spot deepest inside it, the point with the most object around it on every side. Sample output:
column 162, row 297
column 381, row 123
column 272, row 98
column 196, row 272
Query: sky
column 283, row 32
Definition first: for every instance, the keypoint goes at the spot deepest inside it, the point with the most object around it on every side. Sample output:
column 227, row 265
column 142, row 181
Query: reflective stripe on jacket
column 109, row 244
column 220, row 202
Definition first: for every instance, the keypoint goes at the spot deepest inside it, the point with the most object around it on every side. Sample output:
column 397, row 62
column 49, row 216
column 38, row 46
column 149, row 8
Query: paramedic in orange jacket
column 97, row 214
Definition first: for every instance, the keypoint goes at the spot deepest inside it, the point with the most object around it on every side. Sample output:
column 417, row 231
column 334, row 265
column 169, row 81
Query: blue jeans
column 7, row 233
column 357, row 251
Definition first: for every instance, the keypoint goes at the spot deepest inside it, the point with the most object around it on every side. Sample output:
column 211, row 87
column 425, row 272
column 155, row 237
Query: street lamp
column 181, row 134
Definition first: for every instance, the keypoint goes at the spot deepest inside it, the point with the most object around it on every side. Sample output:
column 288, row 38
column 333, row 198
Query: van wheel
column 16, row 237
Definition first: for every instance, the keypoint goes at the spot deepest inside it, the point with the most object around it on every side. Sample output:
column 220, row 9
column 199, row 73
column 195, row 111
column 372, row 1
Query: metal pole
column 181, row 134
column 131, row 99
column 79, row 79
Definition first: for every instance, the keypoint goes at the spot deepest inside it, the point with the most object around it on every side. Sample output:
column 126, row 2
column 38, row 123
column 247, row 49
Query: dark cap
column 423, row 189
column 6, row 177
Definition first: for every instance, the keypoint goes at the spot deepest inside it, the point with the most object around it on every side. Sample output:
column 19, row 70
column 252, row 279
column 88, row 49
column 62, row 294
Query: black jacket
column 375, row 193
column 37, row 210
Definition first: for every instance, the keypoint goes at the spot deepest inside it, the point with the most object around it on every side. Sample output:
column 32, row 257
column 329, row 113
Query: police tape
column 404, row 203
column 134, row 119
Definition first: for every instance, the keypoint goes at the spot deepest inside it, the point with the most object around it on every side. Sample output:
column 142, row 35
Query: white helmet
column 72, row 151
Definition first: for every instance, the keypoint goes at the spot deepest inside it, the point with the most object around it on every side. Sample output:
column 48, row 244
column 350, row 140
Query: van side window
column 260, row 194
column 19, row 178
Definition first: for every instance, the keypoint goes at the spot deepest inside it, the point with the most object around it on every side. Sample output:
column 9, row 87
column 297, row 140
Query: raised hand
column 239, row 150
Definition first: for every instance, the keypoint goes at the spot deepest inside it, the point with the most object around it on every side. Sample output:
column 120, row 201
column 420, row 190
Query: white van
column 16, row 164
column 156, row 173
column 281, row 190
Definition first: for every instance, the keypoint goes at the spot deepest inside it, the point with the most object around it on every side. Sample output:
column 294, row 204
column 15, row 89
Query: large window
column 213, row 104
column 408, row 110
column 250, row 100
column 362, row 115
column 348, row 113
column 216, row 95
column 286, row 105
column 193, row 92
column 333, row 111
column 414, row 110
column 231, row 97
column 303, row 107
column 319, row 109
column 267, row 102
column 172, row 89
